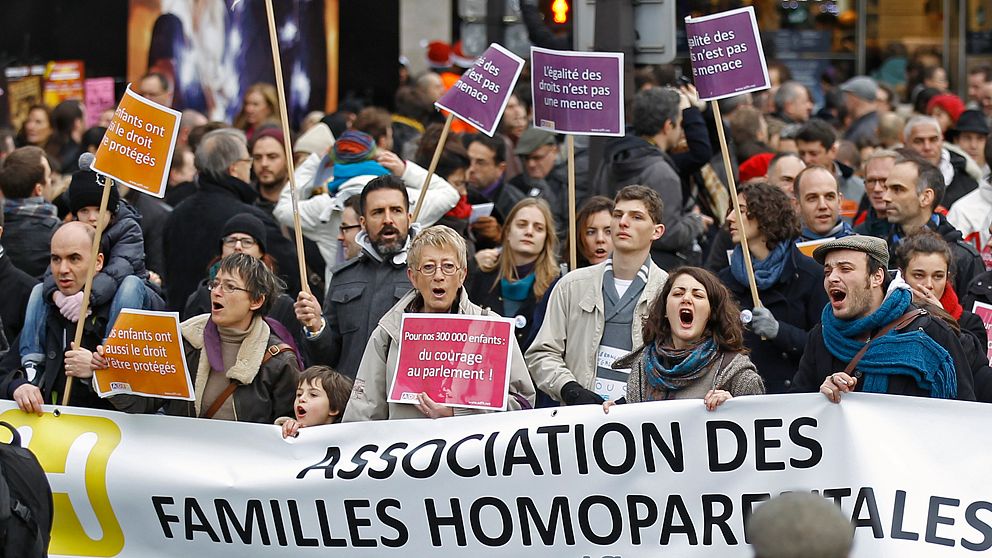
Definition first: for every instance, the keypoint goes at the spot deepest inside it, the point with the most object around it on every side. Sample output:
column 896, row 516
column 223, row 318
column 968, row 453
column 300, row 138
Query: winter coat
column 320, row 215
column 972, row 215
column 730, row 372
column 192, row 235
column 979, row 290
column 865, row 127
column 154, row 212
column 16, row 287
column 50, row 379
column 265, row 391
column 375, row 376
column 27, row 234
column 796, row 301
column 361, row 291
column 483, row 288
column 632, row 160
column 554, row 190
column 967, row 261
column 962, row 183
column 818, row 363
column 566, row 345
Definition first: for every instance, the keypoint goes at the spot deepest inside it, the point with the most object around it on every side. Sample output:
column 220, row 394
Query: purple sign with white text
column 577, row 92
column 480, row 95
column 726, row 54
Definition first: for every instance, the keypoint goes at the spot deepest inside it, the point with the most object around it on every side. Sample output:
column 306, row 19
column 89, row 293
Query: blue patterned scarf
column 689, row 364
column 766, row 271
column 913, row 353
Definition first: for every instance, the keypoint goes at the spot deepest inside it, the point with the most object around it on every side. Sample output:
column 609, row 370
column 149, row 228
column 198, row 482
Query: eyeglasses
column 246, row 241
column 447, row 268
column 227, row 287
column 346, row 228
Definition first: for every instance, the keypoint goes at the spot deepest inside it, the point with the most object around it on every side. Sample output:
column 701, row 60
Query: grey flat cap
column 861, row 86
column 873, row 246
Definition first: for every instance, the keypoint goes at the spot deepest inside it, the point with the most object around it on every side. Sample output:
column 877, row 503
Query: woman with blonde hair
column 260, row 106
column 525, row 270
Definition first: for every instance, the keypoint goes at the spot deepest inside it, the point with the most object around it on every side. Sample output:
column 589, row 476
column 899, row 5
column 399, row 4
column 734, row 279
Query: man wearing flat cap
column 860, row 95
column 545, row 175
column 872, row 337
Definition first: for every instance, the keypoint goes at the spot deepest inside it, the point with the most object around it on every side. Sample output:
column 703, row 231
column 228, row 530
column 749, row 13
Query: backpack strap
column 897, row 324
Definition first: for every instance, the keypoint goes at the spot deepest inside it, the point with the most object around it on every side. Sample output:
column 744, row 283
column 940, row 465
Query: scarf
column 766, row 272
column 913, row 353
column 29, row 207
column 688, row 365
column 462, row 209
column 344, row 172
column 840, row 230
column 949, row 300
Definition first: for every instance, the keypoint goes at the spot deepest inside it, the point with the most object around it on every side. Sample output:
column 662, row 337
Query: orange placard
column 809, row 246
column 137, row 148
column 145, row 352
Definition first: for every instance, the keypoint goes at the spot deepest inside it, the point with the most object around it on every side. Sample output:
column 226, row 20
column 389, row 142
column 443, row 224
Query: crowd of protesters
column 891, row 185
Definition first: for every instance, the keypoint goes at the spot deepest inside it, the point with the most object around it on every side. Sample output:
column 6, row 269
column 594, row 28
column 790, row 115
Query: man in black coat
column 31, row 388
column 30, row 220
column 362, row 289
column 17, row 287
column 193, row 229
column 920, row 356
column 913, row 190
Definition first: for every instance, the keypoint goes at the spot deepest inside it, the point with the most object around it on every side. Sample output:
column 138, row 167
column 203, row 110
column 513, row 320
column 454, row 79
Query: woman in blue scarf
column 693, row 346
column 525, row 269
column 790, row 284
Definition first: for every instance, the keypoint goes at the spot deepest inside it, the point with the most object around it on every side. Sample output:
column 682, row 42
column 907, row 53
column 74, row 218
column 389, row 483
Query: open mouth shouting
column 686, row 316
column 837, row 296
column 301, row 413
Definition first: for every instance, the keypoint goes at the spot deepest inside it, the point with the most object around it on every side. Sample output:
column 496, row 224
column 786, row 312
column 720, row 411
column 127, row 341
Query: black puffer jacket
column 796, row 301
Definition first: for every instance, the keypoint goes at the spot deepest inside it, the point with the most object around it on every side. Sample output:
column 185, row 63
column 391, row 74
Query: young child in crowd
column 321, row 397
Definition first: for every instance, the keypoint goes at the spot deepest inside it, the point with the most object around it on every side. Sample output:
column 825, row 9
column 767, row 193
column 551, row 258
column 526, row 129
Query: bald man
column 44, row 383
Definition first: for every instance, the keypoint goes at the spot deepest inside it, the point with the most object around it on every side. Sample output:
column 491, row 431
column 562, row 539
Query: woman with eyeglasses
column 790, row 284
column 240, row 369
column 245, row 234
column 436, row 264
column 527, row 266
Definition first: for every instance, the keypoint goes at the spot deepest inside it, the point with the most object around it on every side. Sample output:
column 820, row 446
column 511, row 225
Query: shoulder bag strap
column 898, row 323
column 224, row 395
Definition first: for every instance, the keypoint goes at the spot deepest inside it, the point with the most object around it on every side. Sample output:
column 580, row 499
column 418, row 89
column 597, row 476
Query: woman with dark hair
column 69, row 123
column 693, row 346
column 790, row 284
column 36, row 129
column 925, row 262
column 593, row 243
column 526, row 268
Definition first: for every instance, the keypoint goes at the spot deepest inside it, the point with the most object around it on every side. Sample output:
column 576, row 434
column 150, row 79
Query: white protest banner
column 652, row 479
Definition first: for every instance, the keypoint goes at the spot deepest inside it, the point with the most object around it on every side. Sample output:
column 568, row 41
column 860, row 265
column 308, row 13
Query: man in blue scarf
column 922, row 358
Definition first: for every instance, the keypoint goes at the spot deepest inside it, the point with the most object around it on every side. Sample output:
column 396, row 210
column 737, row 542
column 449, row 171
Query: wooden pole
column 735, row 204
column 288, row 153
column 570, row 143
column 90, row 272
column 433, row 167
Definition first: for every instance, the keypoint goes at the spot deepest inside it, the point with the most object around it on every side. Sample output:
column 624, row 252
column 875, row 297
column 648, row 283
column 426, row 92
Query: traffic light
column 559, row 11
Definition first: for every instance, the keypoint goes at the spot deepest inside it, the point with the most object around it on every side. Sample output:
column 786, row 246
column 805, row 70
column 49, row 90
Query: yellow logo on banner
column 74, row 451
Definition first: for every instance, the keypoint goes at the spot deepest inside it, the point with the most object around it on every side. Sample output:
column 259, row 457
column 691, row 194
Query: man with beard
column 268, row 164
column 909, row 350
column 362, row 289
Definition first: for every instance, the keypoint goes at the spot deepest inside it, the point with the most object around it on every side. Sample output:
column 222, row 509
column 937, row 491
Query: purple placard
column 99, row 95
column 726, row 54
column 577, row 92
column 479, row 97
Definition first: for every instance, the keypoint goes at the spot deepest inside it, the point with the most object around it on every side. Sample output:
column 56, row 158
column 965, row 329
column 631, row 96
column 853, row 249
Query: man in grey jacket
column 595, row 313
column 363, row 288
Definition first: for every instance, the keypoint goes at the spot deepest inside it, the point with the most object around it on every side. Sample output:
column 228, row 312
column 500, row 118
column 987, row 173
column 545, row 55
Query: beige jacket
column 565, row 347
column 375, row 374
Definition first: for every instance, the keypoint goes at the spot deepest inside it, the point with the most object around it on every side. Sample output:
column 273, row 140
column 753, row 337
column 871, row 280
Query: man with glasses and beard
column 363, row 288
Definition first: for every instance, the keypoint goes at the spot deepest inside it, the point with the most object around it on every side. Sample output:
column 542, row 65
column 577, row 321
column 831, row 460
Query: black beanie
column 85, row 191
column 246, row 223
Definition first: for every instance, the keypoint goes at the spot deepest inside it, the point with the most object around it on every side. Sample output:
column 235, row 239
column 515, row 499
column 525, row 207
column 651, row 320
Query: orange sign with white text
column 146, row 357
column 137, row 148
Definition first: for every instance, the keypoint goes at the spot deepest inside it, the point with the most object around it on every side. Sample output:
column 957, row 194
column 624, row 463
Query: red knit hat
column 438, row 54
column 949, row 103
column 755, row 167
